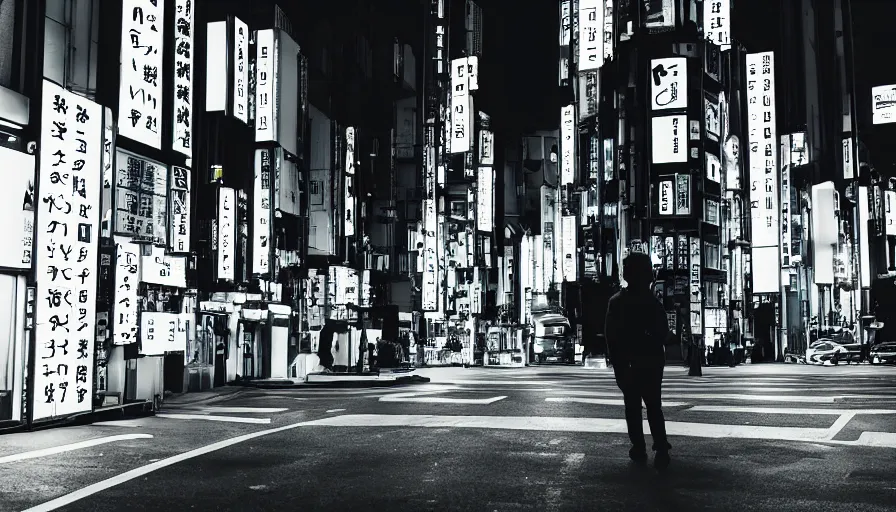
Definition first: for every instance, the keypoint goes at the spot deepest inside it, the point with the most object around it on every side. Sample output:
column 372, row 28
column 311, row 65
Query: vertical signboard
column 486, row 147
column 240, row 70
column 485, row 199
column 179, row 207
column 216, row 67
column 226, row 226
column 67, row 231
column 568, row 243
column 682, row 194
column 261, row 213
column 864, row 246
column 568, row 145
column 668, row 139
column 668, row 83
column 140, row 91
column 890, row 213
column 591, row 34
column 264, row 86
column 849, row 168
column 430, row 259
column 786, row 249
column 565, row 39
column 717, row 22
column 126, row 298
column 658, row 13
column 461, row 117
column 609, row 40
column 350, row 156
column 182, row 135
column 695, row 285
column 763, row 163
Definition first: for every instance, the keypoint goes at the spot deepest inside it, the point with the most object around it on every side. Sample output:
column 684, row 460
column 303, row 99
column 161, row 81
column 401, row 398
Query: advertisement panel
column 659, row 13
column 717, row 22
column 569, row 244
column 565, row 31
column 349, row 183
column 240, row 70
column 261, row 213
column 179, row 208
column 430, row 260
column 461, row 115
column 140, row 95
column 682, row 194
column 669, row 83
column 161, row 333
column 226, row 225
column 786, row 249
column 609, row 41
column 890, row 212
column 849, row 168
column 591, row 34
column 883, row 104
column 17, row 202
column 66, row 255
column 126, row 298
column 264, row 86
column 695, row 284
column 182, row 136
column 713, row 168
column 485, row 199
column 667, row 197
column 668, row 142
column 486, row 147
column 712, row 117
column 763, row 140
column 864, row 246
column 567, row 145
column 162, row 269
column 141, row 202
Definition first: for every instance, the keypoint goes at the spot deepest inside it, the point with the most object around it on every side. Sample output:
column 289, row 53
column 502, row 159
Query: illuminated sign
column 763, row 154
column 140, row 95
column 568, row 145
column 669, row 83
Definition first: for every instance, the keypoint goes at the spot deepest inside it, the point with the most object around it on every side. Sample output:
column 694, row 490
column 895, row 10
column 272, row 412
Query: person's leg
column 633, row 419
column 652, row 382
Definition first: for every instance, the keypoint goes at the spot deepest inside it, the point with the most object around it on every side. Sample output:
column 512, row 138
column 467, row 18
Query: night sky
column 521, row 41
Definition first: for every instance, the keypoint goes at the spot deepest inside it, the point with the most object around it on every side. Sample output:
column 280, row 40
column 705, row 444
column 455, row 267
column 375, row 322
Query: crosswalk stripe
column 226, row 419
column 788, row 410
column 250, row 410
column 602, row 401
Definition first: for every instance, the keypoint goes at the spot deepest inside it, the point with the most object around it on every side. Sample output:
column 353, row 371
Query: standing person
column 636, row 330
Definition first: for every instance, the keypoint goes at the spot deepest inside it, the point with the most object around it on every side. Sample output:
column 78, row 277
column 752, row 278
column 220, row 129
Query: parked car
column 883, row 353
column 826, row 349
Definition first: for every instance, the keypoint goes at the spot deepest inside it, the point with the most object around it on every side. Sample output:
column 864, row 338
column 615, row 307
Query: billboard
column 883, row 104
column 461, row 111
column 240, row 70
column 568, row 145
column 717, row 22
column 182, row 136
column 669, row 139
column 591, row 35
column 669, row 83
column 140, row 94
column 763, row 152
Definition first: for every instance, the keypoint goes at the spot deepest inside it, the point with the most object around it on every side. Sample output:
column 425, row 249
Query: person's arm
column 661, row 324
column 611, row 327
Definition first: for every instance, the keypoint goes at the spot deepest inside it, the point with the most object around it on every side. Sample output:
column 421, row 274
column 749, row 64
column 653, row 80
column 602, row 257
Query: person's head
column 637, row 270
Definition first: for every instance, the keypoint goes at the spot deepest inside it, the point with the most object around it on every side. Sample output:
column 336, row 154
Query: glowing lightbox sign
column 591, row 34
column 763, row 153
column 568, row 145
column 240, row 70
column 717, row 22
column 182, row 137
column 140, row 95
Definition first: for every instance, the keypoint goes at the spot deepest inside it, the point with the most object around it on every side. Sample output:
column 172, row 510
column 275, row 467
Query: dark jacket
column 636, row 329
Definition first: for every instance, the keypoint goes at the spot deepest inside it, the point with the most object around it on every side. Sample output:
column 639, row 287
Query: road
column 755, row 437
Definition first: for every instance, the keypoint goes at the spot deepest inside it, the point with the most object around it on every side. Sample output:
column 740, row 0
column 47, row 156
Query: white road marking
column 108, row 483
column 497, row 382
column 335, row 410
column 722, row 396
column 422, row 398
column 121, row 423
column 70, row 447
column 249, row 410
column 568, row 424
column 602, row 401
column 840, row 423
column 789, row 410
column 227, row 419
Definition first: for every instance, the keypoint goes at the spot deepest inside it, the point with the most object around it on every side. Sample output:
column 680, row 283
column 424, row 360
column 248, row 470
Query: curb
column 399, row 381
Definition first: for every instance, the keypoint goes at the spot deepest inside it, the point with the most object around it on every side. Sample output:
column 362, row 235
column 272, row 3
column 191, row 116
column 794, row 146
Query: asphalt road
column 755, row 437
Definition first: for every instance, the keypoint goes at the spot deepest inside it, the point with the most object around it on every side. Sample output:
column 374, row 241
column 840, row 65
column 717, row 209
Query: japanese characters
column 66, row 253
column 179, row 208
column 717, row 22
column 140, row 93
column 240, row 70
column 591, row 34
column 141, row 202
column 264, row 86
column 461, row 107
column 261, row 213
column 126, row 297
column 182, row 140
column 763, row 142
column 226, row 245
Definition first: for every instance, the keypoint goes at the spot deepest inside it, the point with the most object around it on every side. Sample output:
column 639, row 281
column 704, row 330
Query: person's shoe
column 661, row 460
column 638, row 455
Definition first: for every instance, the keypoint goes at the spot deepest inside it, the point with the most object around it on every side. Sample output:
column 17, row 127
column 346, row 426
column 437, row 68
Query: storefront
column 16, row 202
column 504, row 347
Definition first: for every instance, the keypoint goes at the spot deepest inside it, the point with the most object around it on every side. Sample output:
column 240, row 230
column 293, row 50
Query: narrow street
column 755, row 437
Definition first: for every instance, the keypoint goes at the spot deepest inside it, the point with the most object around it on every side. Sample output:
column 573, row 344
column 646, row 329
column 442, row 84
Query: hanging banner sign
column 140, row 95
column 240, row 70
column 127, row 281
column 66, row 253
column 261, row 213
column 763, row 155
column 264, row 86
column 461, row 115
column 591, row 35
column 568, row 145
column 667, row 197
column 179, row 206
column 226, row 225
column 182, row 140
column 669, row 83
column 717, row 22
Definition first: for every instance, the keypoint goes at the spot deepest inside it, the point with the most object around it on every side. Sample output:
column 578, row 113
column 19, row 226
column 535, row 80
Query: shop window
column 71, row 35
column 8, row 43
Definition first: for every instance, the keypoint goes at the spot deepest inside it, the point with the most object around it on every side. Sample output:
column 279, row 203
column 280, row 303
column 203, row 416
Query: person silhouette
column 636, row 331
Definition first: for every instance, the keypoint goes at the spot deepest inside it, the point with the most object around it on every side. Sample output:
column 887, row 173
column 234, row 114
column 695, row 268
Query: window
column 71, row 35
column 712, row 256
column 8, row 46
